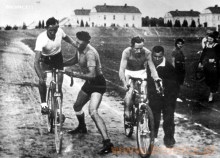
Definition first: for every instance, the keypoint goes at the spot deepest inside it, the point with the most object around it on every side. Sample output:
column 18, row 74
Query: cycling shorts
column 55, row 61
column 96, row 85
column 137, row 74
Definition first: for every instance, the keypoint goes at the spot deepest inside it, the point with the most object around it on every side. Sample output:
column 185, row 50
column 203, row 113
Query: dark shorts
column 96, row 85
column 55, row 61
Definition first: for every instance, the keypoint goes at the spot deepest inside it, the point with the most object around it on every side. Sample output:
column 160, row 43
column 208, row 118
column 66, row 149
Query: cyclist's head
column 157, row 55
column 179, row 42
column 83, row 38
column 137, row 43
column 52, row 26
column 51, row 22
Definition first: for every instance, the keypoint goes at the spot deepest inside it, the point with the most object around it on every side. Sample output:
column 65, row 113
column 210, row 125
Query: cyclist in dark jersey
column 93, row 89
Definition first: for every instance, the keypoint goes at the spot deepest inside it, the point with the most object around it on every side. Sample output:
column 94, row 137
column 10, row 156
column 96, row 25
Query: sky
column 17, row 12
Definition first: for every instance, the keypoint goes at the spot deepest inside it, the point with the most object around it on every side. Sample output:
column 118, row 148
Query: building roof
column 190, row 13
column 82, row 11
column 214, row 9
column 116, row 9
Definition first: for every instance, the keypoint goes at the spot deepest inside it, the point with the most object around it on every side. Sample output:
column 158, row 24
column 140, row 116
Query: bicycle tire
column 145, row 132
column 58, row 125
column 50, row 102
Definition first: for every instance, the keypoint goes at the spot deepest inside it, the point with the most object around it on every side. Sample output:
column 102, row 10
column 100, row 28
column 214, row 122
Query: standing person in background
column 93, row 89
column 204, row 40
column 209, row 62
column 178, row 60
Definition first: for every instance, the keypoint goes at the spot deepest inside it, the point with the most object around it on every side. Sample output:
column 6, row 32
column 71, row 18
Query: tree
column 8, row 27
column 42, row 24
column 39, row 25
column 185, row 23
column 24, row 27
column 160, row 22
column 87, row 25
column 82, row 23
column 177, row 23
column 193, row 23
column 153, row 22
column 15, row 28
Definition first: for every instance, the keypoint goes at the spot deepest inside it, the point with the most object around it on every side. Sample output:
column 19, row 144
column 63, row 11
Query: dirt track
column 23, row 130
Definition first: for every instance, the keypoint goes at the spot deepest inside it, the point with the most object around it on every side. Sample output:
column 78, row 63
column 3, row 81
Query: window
column 125, row 17
column 104, row 17
column 113, row 17
column 133, row 17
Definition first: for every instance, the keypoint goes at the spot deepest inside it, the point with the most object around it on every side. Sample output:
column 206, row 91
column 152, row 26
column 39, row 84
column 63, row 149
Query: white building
column 210, row 17
column 80, row 15
column 181, row 16
column 107, row 15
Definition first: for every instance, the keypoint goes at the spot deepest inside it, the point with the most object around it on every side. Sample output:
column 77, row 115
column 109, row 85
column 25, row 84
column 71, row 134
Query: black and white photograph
column 109, row 79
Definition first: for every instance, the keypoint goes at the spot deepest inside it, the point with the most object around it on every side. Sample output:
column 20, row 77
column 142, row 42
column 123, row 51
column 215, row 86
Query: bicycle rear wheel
column 50, row 117
column 145, row 132
column 58, row 125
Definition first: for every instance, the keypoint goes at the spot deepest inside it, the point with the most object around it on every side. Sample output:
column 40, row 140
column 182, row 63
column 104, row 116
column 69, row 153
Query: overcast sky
column 15, row 12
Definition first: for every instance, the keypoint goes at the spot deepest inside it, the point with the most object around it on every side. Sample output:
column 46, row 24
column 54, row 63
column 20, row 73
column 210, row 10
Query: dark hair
column 212, row 36
column 158, row 49
column 136, row 40
column 83, row 36
column 179, row 40
column 51, row 21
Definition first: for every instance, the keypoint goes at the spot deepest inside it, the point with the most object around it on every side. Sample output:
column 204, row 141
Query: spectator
column 209, row 62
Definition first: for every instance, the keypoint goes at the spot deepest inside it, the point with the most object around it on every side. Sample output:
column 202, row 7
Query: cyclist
column 48, row 55
column 164, row 104
column 93, row 89
column 133, row 63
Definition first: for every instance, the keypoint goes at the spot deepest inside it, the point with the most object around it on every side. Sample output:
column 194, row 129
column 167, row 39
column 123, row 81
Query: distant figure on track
column 49, row 55
column 209, row 62
column 93, row 89
column 133, row 63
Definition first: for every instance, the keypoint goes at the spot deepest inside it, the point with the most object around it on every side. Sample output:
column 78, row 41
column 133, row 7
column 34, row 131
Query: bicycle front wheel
column 50, row 117
column 145, row 132
column 58, row 125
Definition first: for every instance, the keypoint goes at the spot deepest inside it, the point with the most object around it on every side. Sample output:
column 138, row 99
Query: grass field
column 110, row 43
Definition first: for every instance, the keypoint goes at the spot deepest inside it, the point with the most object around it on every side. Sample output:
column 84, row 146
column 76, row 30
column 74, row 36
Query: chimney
column 216, row 6
column 125, row 5
column 177, row 10
column 104, row 4
column 82, row 8
column 191, row 10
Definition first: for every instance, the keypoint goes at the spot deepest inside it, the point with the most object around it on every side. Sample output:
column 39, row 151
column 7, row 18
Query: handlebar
column 59, row 71
column 158, row 84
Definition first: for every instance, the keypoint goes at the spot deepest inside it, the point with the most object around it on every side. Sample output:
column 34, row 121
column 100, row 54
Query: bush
column 15, row 28
column 8, row 27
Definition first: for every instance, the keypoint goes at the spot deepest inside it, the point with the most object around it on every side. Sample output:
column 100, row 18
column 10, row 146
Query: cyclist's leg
column 144, row 87
column 95, row 101
column 128, row 102
column 81, row 100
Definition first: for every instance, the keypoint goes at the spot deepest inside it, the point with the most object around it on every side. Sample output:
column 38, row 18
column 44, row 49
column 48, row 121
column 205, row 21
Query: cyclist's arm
column 122, row 68
column 69, row 40
column 88, row 76
column 37, row 67
column 151, row 65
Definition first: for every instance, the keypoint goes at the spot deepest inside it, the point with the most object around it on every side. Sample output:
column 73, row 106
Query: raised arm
column 71, row 61
column 122, row 68
column 69, row 40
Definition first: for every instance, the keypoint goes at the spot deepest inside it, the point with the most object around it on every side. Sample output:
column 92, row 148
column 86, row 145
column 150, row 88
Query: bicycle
column 55, row 117
column 142, row 117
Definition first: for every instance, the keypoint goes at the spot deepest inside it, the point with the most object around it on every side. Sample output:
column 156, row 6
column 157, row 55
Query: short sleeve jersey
column 136, row 63
column 89, row 58
column 47, row 46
